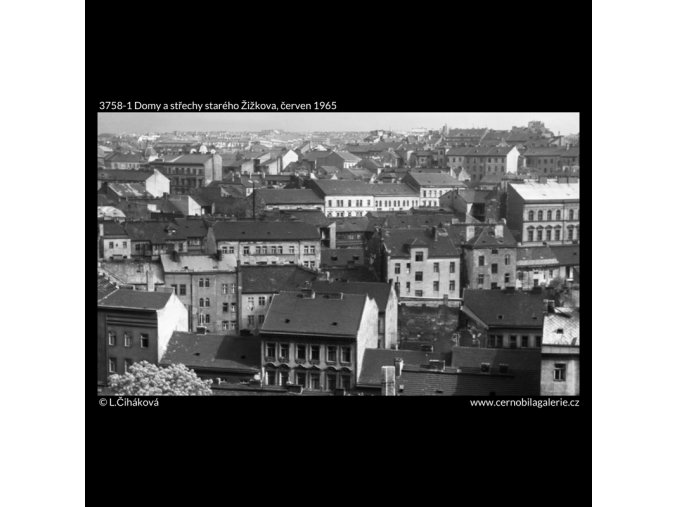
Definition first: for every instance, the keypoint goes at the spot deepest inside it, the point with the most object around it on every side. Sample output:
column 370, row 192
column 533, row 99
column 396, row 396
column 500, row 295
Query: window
column 305, row 249
column 530, row 233
column 452, row 267
column 270, row 377
column 549, row 215
column 419, row 276
column 207, row 302
column 233, row 308
column 250, row 320
column 452, row 286
column 201, row 302
column 207, row 318
column 314, row 352
column 345, row 354
column 408, row 267
column 128, row 364
column 312, row 249
column 112, row 339
column 513, row 342
column 560, row 372
column 525, row 342
column 262, row 300
column 301, row 378
column 250, row 302
column 539, row 234
column 128, row 340
column 225, row 326
column 258, row 250
column 315, row 381
column 571, row 214
column 436, row 267
column 284, row 351
column 110, row 244
column 558, row 233
column 112, row 365
column 494, row 268
column 538, row 341
column 345, row 382
column 531, row 216
column 301, row 352
column 224, row 307
column 548, row 233
column 270, row 350
column 495, row 341
column 494, row 252
column 245, row 250
column 397, row 268
column 329, row 203
column 408, row 287
column 540, row 215
column 419, row 256
column 182, row 290
column 332, row 381
column 506, row 278
column 224, row 288
column 507, row 259
column 558, row 215
column 201, row 283
column 570, row 233
column 262, row 318
column 480, row 279
column 284, row 377
column 144, row 340
column 174, row 288
column 418, row 293
column 485, row 367
column 480, row 260
column 436, row 286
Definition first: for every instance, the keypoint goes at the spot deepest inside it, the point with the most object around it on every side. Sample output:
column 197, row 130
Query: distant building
column 345, row 198
column 154, row 182
column 317, row 341
column 484, row 160
column 431, row 186
column 124, row 161
column 560, row 353
column 187, row 172
column 290, row 199
column 544, row 212
column 135, row 326
column 114, row 242
column 490, row 257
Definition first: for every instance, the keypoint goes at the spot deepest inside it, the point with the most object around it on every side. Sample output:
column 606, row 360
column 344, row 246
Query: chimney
column 549, row 305
column 469, row 232
column 436, row 365
column 149, row 283
column 498, row 230
column 399, row 366
column 388, row 381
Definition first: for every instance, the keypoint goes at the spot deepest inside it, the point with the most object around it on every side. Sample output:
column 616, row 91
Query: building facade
column 490, row 257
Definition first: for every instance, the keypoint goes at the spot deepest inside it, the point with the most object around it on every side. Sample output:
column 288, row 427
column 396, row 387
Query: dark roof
column 216, row 352
column 469, row 359
column 342, row 187
column 340, row 257
column 397, row 189
column 474, row 196
column 125, row 158
column 136, row 299
column 567, row 255
column 273, row 279
column 499, row 308
column 489, row 151
column 485, row 237
column 114, row 229
column 121, row 175
column 193, row 159
column 374, row 359
column 314, row 217
column 434, row 179
column 352, row 274
column 127, row 189
column 398, row 243
column 353, row 224
column 289, row 196
column 378, row 291
column 105, row 287
column 292, row 313
column 255, row 230
column 535, row 255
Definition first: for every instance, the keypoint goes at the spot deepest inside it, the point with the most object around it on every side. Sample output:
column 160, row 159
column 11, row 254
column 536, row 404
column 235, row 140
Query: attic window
column 500, row 316
column 560, row 331
column 484, row 367
column 334, row 323
column 503, row 368
column 287, row 321
column 196, row 354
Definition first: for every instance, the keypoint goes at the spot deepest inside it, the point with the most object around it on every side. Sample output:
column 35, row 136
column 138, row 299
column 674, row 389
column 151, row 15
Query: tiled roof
column 341, row 187
column 380, row 291
column 273, row 279
column 398, row 243
column 291, row 313
column 339, row 257
column 255, row 230
column 469, row 359
column 567, row 255
column 474, row 196
column 136, row 299
column 125, row 158
column 535, row 256
column 132, row 272
column 485, row 237
column 192, row 159
column 563, row 327
column 489, row 151
column 550, row 191
column 154, row 231
column 374, row 359
column 105, row 287
column 434, row 180
column 114, row 230
column 396, row 189
column 199, row 263
column 214, row 352
column 353, row 224
column 314, row 217
column 505, row 309
column 289, row 196
column 347, row 156
column 122, row 175
column 129, row 189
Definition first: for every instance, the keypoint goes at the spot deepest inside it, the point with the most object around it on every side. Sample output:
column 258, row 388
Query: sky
column 140, row 123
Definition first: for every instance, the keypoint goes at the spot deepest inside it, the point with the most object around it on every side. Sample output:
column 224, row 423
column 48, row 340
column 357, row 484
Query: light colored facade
column 186, row 205
column 545, row 212
column 431, row 186
column 289, row 157
column 490, row 256
column 560, row 353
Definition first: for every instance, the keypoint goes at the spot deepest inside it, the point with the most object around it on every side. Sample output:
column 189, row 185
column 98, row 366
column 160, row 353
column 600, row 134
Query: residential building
column 546, row 161
column 258, row 284
column 431, row 186
column 503, row 318
column 544, row 212
column 423, row 264
column 490, row 257
column 370, row 377
column 290, row 199
column 385, row 296
column 252, row 242
column 317, row 341
column 154, row 182
column 480, row 204
column 135, row 326
column 207, row 286
column 345, row 198
column 124, row 161
column 134, row 274
column 187, row 172
column 560, row 353
column 394, row 197
column 114, row 242
column 151, row 238
column 223, row 359
column 497, row 160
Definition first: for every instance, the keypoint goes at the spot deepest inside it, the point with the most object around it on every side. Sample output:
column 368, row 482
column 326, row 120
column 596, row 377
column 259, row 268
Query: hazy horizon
column 140, row 123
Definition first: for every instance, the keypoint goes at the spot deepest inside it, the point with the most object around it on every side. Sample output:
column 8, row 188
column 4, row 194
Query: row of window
column 251, row 320
column 494, row 285
column 185, row 170
column 396, row 204
column 434, row 193
column 316, row 381
column 496, row 341
column 144, row 339
column 551, row 233
column 494, row 267
column 419, row 258
column 340, row 203
column 304, row 352
column 274, row 250
column 111, row 244
column 113, row 365
column 262, row 301
column 549, row 215
column 346, row 214
column 419, row 293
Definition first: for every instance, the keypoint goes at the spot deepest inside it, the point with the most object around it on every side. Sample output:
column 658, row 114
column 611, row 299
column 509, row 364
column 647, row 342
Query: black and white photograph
column 337, row 254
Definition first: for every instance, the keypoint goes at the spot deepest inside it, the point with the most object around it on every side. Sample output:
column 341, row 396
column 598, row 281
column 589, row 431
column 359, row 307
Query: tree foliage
column 146, row 379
